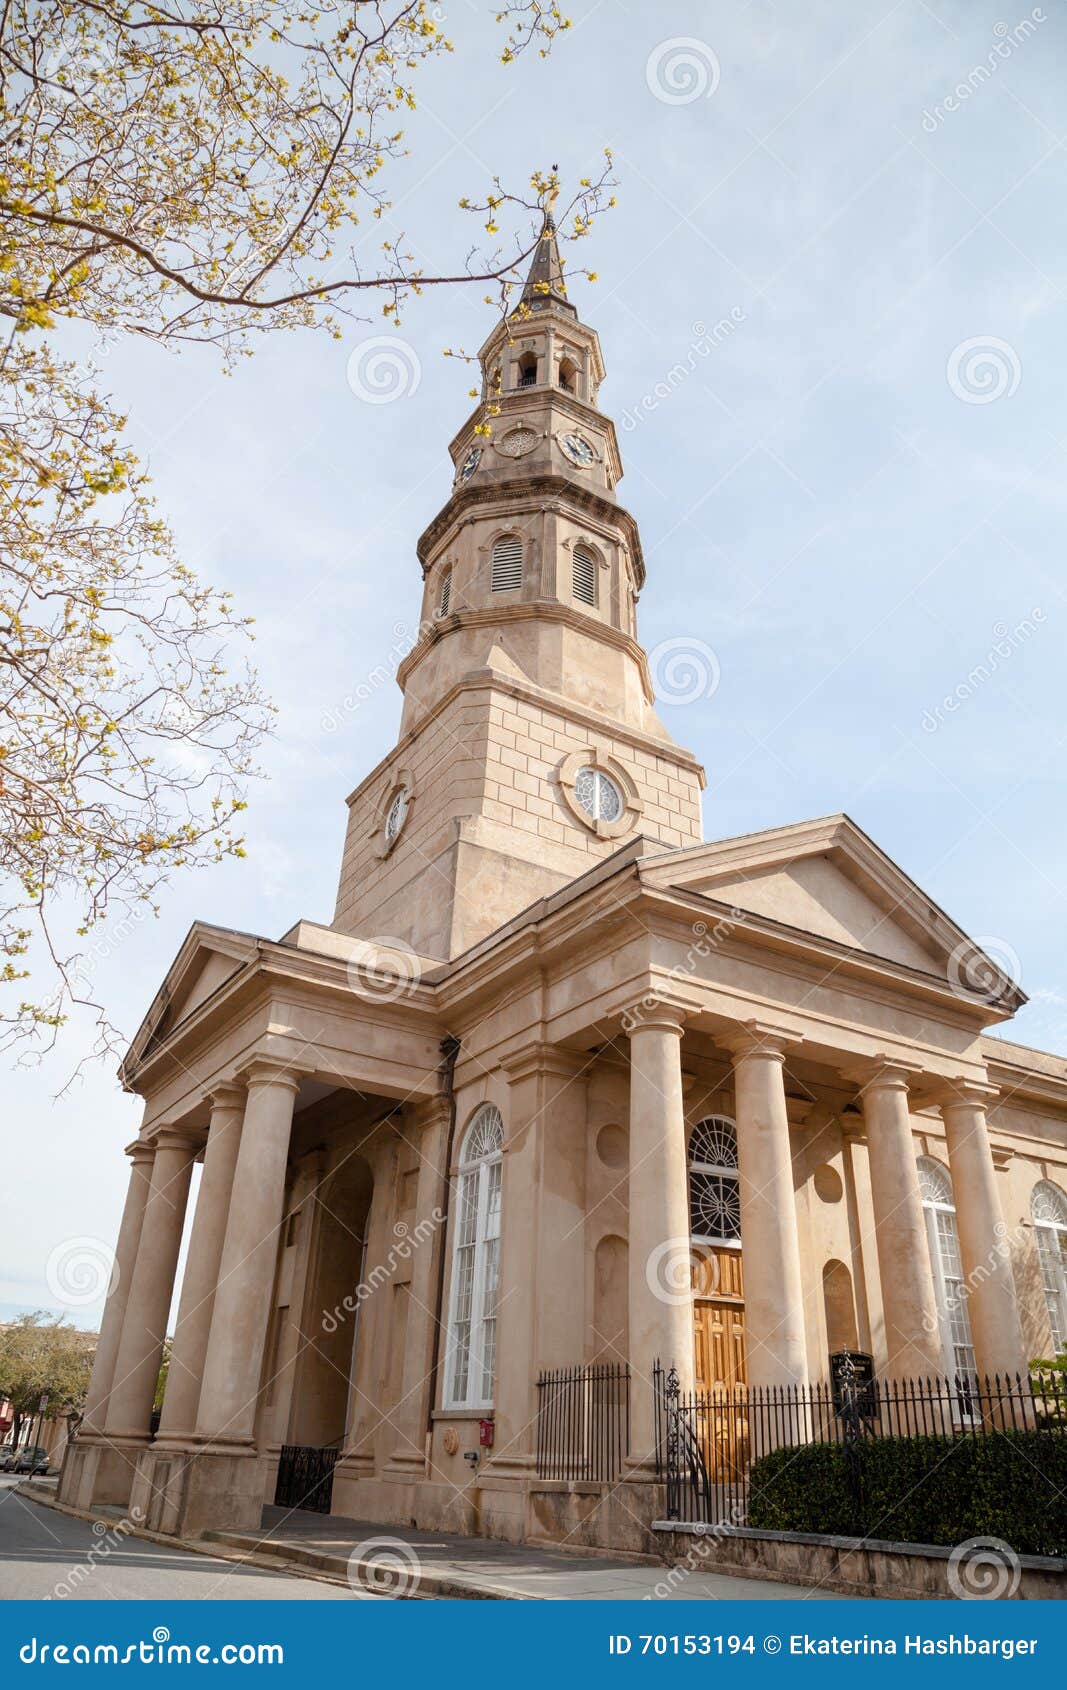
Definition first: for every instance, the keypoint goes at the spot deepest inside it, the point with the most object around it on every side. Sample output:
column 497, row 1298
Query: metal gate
column 305, row 1477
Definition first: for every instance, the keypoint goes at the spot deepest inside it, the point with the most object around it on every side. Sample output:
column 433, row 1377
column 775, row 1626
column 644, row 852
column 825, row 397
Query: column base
column 100, row 1472
column 509, row 1467
column 199, row 1489
column 404, row 1465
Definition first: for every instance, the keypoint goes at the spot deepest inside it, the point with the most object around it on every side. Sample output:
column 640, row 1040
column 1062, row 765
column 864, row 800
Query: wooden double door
column 720, row 1362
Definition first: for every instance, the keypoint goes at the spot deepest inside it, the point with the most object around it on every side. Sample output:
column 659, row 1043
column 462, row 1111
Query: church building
column 560, row 1086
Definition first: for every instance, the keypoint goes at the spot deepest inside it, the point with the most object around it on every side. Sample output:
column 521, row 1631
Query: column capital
column 228, row 1094
column 178, row 1138
column 656, row 1015
column 760, row 1038
column 269, row 1071
column 964, row 1090
column 141, row 1150
column 883, row 1073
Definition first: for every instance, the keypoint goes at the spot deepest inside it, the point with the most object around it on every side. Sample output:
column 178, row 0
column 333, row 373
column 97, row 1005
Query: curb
column 428, row 1583
column 273, row 1556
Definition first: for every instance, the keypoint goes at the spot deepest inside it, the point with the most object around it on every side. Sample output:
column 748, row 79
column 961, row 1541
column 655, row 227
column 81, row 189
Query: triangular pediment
column 829, row 879
column 207, row 959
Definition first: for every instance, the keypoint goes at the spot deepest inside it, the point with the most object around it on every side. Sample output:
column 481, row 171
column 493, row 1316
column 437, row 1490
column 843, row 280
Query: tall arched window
column 714, row 1187
column 507, row 564
column 946, row 1264
column 528, row 370
column 1048, row 1210
column 585, row 575
column 444, row 591
column 476, row 1263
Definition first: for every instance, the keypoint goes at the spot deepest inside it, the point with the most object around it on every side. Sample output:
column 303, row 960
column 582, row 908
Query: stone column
column 661, row 1298
column 770, row 1244
column 541, row 1293
column 426, row 1238
column 140, row 1350
column 912, row 1327
column 241, row 1314
column 193, row 1325
column 990, row 1284
column 142, row 1155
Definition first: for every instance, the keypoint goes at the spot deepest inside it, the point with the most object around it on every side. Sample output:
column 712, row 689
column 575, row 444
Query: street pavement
column 45, row 1554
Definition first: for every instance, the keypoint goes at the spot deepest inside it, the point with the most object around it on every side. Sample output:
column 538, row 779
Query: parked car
column 32, row 1460
column 8, row 1458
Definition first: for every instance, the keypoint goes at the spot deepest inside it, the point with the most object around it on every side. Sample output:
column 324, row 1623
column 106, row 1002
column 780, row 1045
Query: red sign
column 485, row 1433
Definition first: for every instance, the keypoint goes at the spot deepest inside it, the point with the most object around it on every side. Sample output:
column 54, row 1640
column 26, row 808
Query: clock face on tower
column 470, row 463
column 579, row 450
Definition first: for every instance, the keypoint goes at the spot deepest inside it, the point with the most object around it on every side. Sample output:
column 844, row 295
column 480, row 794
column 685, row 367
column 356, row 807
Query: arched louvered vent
column 507, row 564
column 444, row 595
column 585, row 573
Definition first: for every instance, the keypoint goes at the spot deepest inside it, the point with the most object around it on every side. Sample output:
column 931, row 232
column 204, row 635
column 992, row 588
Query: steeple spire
column 545, row 284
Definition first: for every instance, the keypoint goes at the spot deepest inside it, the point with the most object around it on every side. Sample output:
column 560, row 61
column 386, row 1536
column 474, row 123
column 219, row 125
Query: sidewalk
column 396, row 1561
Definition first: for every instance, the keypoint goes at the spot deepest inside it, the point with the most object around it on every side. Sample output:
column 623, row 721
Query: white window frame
column 942, row 1233
column 721, row 1170
column 479, row 1175
column 1048, row 1211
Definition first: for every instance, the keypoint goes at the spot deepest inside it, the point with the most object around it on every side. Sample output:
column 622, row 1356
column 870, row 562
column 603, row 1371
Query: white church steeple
column 529, row 741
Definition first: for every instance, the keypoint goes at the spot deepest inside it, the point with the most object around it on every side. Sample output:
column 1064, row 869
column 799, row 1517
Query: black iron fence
column 713, row 1446
column 305, row 1477
column 583, row 1421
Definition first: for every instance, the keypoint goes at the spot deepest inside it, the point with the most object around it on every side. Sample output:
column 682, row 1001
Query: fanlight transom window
column 1048, row 1210
column 598, row 795
column 476, row 1262
column 507, row 564
column 946, row 1265
column 714, row 1186
column 585, row 575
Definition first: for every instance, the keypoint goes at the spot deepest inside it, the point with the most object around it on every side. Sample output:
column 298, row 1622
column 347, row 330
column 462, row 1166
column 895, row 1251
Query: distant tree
column 179, row 172
column 41, row 1357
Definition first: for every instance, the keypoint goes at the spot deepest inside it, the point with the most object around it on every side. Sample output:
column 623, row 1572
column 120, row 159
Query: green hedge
column 921, row 1490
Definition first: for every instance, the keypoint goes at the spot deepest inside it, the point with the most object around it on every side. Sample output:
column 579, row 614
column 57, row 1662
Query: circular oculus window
column 396, row 815
column 598, row 795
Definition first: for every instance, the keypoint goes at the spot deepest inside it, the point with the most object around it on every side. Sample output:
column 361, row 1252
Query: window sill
column 462, row 1414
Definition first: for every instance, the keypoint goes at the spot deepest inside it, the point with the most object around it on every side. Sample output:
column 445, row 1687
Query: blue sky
column 853, row 499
